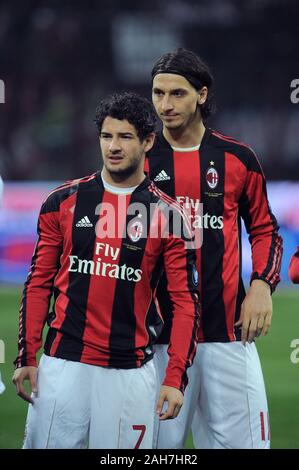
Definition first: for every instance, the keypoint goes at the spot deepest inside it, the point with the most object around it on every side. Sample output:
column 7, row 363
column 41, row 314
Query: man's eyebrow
column 119, row 133
column 174, row 90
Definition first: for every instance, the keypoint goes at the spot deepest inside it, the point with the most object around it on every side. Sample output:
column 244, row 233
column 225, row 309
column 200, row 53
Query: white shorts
column 225, row 401
column 80, row 405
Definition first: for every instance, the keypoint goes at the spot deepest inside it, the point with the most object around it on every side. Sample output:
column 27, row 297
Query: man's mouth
column 115, row 158
column 169, row 116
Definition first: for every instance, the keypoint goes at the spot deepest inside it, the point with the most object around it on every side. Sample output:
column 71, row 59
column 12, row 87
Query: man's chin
column 121, row 172
column 172, row 125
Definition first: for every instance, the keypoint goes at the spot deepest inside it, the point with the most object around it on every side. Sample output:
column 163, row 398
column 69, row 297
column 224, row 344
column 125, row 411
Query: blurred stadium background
column 57, row 61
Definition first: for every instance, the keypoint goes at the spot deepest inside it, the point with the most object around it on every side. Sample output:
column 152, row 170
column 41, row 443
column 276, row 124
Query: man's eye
column 158, row 93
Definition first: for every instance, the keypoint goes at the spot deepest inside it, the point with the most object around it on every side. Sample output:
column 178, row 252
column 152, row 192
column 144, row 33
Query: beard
column 124, row 173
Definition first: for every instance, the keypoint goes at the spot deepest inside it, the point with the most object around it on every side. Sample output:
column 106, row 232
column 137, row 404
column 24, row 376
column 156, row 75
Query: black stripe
column 123, row 320
column 89, row 195
column 51, row 336
column 53, row 201
column 241, row 289
column 277, row 266
column 166, row 307
column 212, row 251
column 161, row 158
column 194, row 292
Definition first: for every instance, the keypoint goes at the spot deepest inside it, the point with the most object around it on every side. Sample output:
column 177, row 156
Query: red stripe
column 235, row 174
column 183, row 331
column 39, row 289
column 260, row 217
column 186, row 164
column 102, row 289
column 62, row 281
column 141, row 300
column 56, row 343
column 262, row 426
column 146, row 166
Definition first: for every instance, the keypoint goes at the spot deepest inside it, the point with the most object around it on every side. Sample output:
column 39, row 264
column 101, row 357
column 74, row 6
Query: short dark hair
column 194, row 69
column 137, row 110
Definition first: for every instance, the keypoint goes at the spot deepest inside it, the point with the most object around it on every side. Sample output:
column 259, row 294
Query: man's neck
column 190, row 136
column 119, row 182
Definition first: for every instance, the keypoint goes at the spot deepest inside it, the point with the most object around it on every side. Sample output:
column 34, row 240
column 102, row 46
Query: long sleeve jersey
column 224, row 176
column 101, row 255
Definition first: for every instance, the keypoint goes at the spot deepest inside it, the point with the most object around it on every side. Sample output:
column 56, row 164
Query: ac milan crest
column 135, row 230
column 212, row 177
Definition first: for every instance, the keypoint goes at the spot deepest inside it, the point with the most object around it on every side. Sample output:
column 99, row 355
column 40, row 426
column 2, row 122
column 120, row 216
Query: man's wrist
column 260, row 284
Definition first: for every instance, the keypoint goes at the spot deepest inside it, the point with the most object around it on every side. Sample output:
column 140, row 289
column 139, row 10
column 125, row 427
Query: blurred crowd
column 57, row 61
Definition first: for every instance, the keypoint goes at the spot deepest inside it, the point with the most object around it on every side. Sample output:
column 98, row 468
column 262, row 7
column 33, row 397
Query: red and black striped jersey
column 224, row 176
column 294, row 267
column 102, row 261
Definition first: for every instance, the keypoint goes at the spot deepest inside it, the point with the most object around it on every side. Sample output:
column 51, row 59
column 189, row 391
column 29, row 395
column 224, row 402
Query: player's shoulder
column 64, row 191
column 229, row 144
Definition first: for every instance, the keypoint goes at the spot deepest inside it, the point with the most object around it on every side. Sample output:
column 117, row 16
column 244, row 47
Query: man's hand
column 256, row 311
column 175, row 399
column 25, row 373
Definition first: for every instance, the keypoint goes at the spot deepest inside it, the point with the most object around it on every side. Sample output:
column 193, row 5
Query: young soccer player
column 102, row 242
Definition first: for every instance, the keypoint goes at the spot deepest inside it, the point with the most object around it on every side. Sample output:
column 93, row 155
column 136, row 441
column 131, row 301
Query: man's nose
column 114, row 145
column 166, row 104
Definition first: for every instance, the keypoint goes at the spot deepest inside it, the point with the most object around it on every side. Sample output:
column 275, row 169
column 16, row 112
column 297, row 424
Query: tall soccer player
column 226, row 400
column 102, row 241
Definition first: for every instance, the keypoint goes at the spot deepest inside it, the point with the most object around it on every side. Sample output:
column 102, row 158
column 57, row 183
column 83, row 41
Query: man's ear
column 149, row 142
column 202, row 95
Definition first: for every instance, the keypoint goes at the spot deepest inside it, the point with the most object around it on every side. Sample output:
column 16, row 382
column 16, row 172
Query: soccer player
column 226, row 400
column 101, row 244
column 294, row 267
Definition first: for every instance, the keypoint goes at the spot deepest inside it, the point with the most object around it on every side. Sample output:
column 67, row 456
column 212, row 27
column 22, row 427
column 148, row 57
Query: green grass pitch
column 281, row 375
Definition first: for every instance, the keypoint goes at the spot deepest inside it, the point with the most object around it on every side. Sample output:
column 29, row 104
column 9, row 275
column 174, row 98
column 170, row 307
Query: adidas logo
column 85, row 222
column 162, row 176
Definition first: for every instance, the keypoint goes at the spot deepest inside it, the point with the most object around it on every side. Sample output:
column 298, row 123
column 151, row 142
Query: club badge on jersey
column 212, row 177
